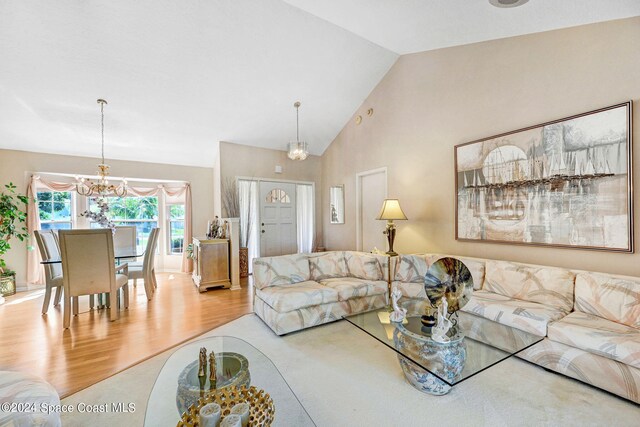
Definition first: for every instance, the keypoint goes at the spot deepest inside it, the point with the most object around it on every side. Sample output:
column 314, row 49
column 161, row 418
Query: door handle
column 263, row 224
column 263, row 231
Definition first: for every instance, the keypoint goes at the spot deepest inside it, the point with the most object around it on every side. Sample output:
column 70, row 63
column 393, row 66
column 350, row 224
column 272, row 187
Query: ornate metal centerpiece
column 225, row 370
column 262, row 412
column 431, row 336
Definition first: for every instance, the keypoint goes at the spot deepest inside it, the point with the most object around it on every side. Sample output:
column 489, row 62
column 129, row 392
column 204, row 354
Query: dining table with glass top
column 119, row 257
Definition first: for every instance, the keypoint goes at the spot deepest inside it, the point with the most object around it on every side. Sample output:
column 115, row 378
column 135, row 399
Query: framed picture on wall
column 565, row 183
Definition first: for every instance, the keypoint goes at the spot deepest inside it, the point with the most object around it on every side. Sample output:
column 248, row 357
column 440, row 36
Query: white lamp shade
column 391, row 210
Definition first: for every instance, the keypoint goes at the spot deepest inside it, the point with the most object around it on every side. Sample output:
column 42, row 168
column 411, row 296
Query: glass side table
column 162, row 407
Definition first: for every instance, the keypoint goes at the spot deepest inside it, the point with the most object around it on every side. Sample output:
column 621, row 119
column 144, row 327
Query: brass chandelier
column 87, row 187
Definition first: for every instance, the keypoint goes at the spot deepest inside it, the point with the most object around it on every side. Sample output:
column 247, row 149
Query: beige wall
column 253, row 162
column 431, row 101
column 16, row 166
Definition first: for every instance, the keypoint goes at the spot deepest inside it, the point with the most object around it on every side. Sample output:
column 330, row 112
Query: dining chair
column 125, row 241
column 145, row 270
column 48, row 246
column 88, row 268
column 153, row 260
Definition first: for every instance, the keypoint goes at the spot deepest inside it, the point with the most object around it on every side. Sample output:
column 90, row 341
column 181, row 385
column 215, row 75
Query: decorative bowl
column 262, row 411
column 232, row 369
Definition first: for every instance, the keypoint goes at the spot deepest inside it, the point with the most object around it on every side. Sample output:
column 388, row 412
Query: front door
column 277, row 218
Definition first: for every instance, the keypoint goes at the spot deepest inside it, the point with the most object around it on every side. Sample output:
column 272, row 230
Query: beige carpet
column 343, row 377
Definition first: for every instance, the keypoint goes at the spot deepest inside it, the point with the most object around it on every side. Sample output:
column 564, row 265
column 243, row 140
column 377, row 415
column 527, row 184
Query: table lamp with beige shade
column 391, row 211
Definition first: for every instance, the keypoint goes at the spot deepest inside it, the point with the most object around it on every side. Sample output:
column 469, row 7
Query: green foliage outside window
column 54, row 205
column 131, row 208
column 176, row 229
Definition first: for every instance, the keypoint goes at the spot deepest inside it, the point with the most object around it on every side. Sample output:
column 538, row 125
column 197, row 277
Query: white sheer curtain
column 248, row 197
column 305, row 217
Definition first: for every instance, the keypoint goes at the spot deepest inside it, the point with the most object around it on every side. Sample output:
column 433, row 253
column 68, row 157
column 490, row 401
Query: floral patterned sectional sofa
column 590, row 321
column 294, row 292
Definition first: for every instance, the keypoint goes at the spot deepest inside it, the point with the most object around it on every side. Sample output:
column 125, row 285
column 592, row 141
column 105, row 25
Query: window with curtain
column 55, row 210
column 305, row 217
column 175, row 229
column 141, row 212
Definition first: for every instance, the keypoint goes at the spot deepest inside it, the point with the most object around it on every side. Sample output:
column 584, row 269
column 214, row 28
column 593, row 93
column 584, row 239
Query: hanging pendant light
column 298, row 150
column 101, row 188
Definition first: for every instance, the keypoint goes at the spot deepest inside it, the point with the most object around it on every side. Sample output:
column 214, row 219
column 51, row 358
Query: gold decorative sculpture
column 212, row 370
column 202, row 359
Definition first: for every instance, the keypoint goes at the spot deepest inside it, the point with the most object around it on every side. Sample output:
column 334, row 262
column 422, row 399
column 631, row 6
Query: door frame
column 286, row 181
column 359, row 177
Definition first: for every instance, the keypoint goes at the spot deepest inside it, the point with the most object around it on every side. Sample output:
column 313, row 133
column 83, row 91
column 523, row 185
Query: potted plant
column 11, row 216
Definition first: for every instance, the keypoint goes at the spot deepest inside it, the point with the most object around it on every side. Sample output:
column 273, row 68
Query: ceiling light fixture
column 507, row 3
column 87, row 187
column 298, row 150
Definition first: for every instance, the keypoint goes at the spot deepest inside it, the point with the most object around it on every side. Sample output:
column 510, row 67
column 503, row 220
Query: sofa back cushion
column 412, row 268
column 329, row 265
column 476, row 268
column 280, row 270
column 545, row 285
column 363, row 265
column 610, row 297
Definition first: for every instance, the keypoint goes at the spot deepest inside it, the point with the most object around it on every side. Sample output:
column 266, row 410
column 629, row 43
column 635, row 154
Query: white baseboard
column 24, row 287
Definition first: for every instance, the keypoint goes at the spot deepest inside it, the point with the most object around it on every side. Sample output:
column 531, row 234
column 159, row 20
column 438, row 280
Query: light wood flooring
column 94, row 348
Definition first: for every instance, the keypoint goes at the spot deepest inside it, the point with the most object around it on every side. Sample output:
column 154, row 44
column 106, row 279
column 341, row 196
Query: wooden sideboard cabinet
column 211, row 263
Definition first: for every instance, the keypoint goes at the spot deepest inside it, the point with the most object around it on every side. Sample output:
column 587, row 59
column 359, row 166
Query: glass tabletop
column 119, row 256
column 482, row 342
column 177, row 383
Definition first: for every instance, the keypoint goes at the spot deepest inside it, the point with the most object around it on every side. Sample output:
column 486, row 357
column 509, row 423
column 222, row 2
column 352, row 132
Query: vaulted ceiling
column 180, row 76
column 409, row 26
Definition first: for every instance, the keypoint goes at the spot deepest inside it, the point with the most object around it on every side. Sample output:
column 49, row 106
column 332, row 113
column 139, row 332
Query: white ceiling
column 409, row 26
column 180, row 76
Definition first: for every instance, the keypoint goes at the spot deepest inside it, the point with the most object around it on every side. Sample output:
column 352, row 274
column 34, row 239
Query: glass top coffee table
column 237, row 363
column 433, row 367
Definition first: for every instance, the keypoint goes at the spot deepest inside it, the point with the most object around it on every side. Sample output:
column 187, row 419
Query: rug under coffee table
column 434, row 367
column 237, row 360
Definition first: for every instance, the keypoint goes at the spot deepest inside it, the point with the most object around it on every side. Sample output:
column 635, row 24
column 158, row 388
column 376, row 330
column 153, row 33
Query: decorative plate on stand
column 449, row 278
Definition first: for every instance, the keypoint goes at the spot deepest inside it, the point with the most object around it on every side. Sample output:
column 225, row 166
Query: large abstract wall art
column 565, row 183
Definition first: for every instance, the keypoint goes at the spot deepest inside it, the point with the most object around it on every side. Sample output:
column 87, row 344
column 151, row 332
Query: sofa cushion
column 280, row 270
column 328, row 266
column 524, row 315
column 352, row 287
column 545, row 285
column 364, row 265
column 599, row 336
column 412, row 268
column 410, row 290
column 300, row 295
column 476, row 268
column 610, row 297
column 38, row 397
